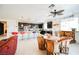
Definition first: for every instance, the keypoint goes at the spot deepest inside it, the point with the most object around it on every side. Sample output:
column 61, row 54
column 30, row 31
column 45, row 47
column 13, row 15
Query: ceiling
column 35, row 13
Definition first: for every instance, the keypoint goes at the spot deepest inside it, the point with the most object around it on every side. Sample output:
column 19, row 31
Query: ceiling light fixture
column 52, row 5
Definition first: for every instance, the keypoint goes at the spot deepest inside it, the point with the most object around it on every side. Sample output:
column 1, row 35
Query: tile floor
column 30, row 47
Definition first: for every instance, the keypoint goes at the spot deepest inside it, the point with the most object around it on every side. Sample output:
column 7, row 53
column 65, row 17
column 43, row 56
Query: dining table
column 57, row 42
column 54, row 39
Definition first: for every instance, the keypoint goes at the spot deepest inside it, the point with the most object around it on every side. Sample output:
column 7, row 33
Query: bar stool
column 22, row 33
column 14, row 33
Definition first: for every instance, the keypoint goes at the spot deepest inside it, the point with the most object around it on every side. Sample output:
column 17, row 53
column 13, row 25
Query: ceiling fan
column 54, row 13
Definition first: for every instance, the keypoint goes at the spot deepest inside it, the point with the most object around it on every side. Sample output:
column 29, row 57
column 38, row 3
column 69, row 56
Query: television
column 49, row 24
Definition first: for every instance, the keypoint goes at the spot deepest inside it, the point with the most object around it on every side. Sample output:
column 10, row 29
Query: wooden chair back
column 41, row 42
column 50, row 47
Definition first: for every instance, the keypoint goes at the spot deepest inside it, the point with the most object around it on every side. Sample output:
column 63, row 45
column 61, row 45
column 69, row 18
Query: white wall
column 45, row 26
column 12, row 25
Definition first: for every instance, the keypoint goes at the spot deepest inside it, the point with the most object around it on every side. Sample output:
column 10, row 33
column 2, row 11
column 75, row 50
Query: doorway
column 1, row 28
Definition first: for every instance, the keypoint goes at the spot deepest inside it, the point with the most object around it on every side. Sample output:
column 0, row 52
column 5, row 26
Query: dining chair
column 64, row 47
column 41, row 42
column 50, row 47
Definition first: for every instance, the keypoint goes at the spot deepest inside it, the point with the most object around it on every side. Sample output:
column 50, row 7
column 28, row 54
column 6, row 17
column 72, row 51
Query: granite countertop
column 4, row 37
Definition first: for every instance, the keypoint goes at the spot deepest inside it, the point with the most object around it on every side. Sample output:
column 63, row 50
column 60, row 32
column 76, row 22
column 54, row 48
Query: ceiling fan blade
column 60, row 11
column 59, row 14
column 52, row 12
